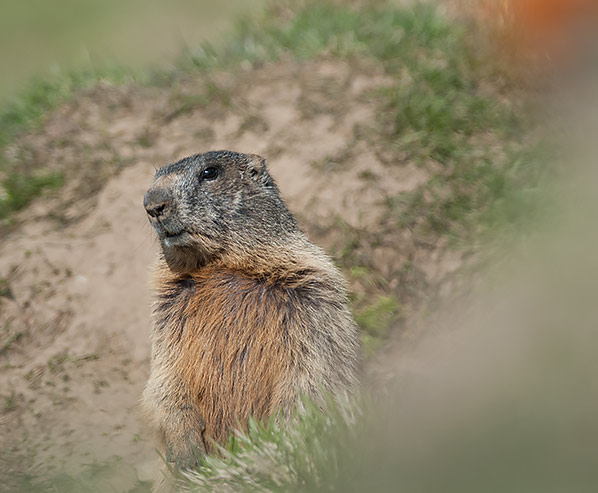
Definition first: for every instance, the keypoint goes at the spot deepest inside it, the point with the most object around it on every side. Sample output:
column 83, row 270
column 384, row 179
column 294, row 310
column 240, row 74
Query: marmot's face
column 202, row 204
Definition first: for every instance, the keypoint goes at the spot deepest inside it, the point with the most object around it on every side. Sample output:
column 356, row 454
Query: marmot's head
column 205, row 206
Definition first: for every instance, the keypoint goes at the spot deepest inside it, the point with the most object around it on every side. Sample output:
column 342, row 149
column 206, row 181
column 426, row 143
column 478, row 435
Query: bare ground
column 74, row 314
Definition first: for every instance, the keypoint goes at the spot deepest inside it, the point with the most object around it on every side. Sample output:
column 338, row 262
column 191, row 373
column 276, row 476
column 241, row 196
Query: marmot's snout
column 161, row 210
column 157, row 203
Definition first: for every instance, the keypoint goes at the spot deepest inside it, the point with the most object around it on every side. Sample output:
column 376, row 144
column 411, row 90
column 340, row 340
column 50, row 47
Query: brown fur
column 258, row 316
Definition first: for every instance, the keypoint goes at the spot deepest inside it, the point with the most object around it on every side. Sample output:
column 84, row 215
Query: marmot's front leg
column 184, row 436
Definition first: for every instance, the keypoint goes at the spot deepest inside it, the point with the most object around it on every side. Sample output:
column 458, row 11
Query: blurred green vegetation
column 376, row 320
column 20, row 184
column 37, row 36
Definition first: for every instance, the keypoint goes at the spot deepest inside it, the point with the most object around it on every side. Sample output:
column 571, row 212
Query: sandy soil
column 74, row 317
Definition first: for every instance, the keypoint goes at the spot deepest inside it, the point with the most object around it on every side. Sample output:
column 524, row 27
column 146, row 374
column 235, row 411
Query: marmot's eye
column 210, row 173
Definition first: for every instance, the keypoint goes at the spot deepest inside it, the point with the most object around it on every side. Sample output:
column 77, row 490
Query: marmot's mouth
column 169, row 234
column 170, row 239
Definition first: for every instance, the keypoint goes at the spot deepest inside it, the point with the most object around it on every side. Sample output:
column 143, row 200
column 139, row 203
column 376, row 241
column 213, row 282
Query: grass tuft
column 376, row 320
column 18, row 189
column 270, row 457
column 19, row 185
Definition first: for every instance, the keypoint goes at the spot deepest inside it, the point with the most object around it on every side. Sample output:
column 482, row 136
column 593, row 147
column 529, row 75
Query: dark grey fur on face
column 196, row 205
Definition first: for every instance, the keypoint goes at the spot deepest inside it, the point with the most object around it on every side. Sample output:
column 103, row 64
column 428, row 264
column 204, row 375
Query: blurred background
column 442, row 152
column 38, row 37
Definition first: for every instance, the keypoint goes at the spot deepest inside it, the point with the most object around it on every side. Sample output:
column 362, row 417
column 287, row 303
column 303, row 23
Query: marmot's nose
column 157, row 203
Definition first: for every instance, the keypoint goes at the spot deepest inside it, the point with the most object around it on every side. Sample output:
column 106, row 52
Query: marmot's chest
column 227, row 328
column 231, row 343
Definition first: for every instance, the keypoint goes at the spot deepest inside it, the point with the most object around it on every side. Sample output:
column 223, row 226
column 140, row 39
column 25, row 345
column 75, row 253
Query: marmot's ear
column 257, row 171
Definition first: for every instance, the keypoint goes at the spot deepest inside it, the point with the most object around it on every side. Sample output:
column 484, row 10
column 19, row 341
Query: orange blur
column 539, row 29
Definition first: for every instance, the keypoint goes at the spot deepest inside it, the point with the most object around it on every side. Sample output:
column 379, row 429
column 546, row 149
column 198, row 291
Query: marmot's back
column 248, row 313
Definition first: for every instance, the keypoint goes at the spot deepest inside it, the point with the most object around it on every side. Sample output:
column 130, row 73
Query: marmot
column 248, row 313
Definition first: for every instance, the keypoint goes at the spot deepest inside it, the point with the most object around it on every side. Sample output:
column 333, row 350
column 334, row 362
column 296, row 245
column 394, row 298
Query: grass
column 9, row 341
column 96, row 477
column 5, row 290
column 19, row 184
column 9, row 403
column 304, row 457
column 19, row 189
column 376, row 320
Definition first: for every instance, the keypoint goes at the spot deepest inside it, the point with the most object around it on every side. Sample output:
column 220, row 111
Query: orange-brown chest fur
column 225, row 336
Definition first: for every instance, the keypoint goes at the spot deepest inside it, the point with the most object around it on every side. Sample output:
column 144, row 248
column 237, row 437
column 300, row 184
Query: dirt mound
column 74, row 304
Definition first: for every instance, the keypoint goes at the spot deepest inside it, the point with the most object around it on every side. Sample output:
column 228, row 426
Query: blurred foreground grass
column 508, row 404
